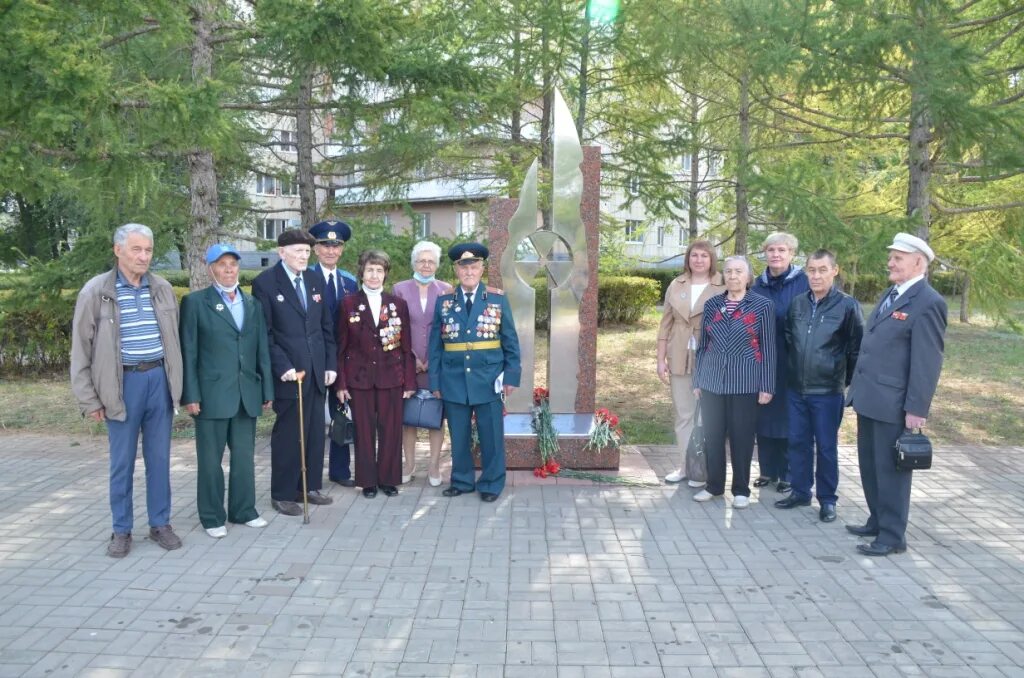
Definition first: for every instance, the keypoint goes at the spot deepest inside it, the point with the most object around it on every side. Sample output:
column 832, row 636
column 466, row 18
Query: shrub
column 620, row 299
column 34, row 336
column 180, row 278
column 663, row 276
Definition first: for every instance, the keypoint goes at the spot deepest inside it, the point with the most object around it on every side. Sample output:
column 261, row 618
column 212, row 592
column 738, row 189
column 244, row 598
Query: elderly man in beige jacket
column 126, row 370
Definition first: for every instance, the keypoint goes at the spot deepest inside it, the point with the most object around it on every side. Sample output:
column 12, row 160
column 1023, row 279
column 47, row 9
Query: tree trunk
column 546, row 116
column 965, row 300
column 581, row 112
column 516, row 121
column 742, row 209
column 202, row 172
column 304, row 140
column 693, row 213
column 919, row 162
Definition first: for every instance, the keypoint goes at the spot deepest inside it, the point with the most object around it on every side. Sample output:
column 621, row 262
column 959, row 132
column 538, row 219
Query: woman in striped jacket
column 735, row 372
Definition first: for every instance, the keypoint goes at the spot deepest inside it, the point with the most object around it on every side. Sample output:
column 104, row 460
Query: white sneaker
column 217, row 532
column 696, row 483
column 675, row 476
column 434, row 482
column 703, row 495
column 256, row 522
column 408, row 478
column 740, row 502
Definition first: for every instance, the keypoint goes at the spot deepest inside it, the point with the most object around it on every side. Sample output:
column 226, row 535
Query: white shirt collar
column 902, row 288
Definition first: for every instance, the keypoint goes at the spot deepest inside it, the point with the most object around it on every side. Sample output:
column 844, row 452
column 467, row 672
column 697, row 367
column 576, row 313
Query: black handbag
column 343, row 431
column 423, row 410
column 696, row 462
column 913, row 451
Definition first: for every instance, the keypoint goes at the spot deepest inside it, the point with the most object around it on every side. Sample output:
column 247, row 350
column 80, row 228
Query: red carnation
column 540, row 472
column 552, row 467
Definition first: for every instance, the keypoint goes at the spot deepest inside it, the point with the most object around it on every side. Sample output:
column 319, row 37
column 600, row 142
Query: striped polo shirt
column 140, row 333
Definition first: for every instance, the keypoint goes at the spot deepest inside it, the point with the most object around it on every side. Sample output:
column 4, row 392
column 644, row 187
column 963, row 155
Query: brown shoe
column 164, row 535
column 318, row 499
column 119, row 545
column 288, row 508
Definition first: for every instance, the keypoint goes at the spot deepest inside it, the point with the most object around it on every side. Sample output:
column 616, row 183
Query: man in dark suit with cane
column 301, row 339
column 892, row 389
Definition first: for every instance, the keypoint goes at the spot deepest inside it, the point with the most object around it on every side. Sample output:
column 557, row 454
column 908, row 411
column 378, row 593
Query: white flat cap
column 904, row 242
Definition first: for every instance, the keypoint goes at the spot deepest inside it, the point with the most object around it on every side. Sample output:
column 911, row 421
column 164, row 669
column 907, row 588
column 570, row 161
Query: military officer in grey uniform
column 473, row 341
column 892, row 388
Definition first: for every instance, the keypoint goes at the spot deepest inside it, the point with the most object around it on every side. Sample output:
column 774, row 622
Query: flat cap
column 904, row 242
column 218, row 250
column 295, row 236
column 331, row 232
column 467, row 253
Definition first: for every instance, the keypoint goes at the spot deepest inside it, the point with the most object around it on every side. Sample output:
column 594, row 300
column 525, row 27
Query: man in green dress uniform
column 227, row 378
column 473, row 362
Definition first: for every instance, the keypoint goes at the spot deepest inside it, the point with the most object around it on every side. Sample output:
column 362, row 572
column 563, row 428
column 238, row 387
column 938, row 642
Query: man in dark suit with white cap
column 892, row 388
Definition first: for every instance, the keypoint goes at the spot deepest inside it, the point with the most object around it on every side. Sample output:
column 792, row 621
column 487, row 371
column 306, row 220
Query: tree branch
column 151, row 25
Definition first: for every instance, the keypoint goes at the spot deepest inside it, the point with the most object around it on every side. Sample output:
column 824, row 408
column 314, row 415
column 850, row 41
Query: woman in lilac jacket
column 421, row 293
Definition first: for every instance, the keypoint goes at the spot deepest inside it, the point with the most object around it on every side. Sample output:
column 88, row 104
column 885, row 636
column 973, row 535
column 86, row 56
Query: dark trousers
column 339, row 456
column 814, row 422
column 239, row 435
column 377, row 414
column 490, row 426
column 732, row 418
column 772, row 457
column 285, row 465
column 886, row 490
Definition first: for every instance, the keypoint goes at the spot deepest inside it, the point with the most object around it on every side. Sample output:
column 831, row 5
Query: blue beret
column 331, row 232
column 218, row 250
column 467, row 253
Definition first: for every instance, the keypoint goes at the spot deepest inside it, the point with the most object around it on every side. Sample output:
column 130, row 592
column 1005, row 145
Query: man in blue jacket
column 823, row 333
column 473, row 342
column 893, row 385
column 331, row 236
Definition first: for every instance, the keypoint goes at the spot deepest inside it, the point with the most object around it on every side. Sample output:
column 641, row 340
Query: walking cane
column 302, row 451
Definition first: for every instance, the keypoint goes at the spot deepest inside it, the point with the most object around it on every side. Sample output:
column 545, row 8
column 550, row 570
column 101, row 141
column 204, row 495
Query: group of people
column 774, row 359
column 306, row 342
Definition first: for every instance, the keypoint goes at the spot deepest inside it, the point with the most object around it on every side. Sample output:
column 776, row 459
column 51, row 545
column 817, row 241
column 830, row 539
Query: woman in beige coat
column 678, row 337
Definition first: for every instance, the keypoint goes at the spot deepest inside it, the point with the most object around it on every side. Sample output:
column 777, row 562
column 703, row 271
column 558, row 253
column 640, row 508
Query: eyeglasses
column 426, row 262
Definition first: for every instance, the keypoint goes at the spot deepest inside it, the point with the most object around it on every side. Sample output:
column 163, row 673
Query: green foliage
column 663, row 276
column 620, row 299
column 35, row 337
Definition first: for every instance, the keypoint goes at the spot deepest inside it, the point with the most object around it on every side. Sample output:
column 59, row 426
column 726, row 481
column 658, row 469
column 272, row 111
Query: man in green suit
column 226, row 380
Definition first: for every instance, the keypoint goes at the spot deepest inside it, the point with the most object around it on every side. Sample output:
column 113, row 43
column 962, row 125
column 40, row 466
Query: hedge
column 620, row 299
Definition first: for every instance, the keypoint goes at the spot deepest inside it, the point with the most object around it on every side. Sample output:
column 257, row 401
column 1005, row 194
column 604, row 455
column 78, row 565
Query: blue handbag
column 423, row 410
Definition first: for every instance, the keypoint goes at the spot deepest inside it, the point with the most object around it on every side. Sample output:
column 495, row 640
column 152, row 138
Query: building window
column 421, row 224
column 465, row 223
column 266, row 185
column 633, row 185
column 269, row 229
column 286, row 140
column 661, row 235
column 687, row 162
column 386, row 220
column 633, row 233
column 289, row 186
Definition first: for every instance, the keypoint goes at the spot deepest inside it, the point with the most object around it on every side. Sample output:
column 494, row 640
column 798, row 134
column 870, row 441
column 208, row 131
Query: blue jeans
column 147, row 400
column 814, row 421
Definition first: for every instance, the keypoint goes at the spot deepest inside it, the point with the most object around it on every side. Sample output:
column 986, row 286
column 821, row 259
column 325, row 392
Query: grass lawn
column 979, row 400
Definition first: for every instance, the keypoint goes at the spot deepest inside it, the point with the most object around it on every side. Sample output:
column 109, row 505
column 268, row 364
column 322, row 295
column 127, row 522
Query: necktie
column 332, row 292
column 469, row 301
column 298, row 291
column 888, row 301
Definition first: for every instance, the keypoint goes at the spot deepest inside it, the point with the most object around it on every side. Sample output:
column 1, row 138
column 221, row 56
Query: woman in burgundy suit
column 421, row 293
column 376, row 371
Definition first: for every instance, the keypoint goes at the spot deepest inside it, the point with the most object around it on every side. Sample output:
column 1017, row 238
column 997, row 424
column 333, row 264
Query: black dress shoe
column 452, row 491
column 783, row 486
column 288, row 508
column 876, row 549
column 370, row 492
column 318, row 499
column 389, row 490
column 488, row 497
column 344, row 482
column 792, row 502
column 762, row 481
column 827, row 514
column 862, row 530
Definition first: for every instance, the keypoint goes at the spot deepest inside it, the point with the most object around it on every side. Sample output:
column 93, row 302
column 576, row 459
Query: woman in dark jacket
column 377, row 370
column 735, row 372
column 780, row 282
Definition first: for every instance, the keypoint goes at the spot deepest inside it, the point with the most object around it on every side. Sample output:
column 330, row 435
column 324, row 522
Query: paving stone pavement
column 582, row 581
